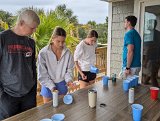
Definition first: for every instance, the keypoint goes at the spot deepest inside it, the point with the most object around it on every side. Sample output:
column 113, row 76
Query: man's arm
column 130, row 55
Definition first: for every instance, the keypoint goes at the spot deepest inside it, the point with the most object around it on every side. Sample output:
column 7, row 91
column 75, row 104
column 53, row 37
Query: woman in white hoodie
column 55, row 66
column 84, row 57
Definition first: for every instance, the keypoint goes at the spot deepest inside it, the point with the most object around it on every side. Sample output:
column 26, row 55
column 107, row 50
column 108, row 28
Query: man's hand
column 127, row 72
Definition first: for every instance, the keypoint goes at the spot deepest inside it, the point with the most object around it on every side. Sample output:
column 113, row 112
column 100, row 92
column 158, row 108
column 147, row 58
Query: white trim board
column 109, row 39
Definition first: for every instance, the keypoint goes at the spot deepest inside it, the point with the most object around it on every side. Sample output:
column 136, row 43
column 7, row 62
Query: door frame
column 142, row 4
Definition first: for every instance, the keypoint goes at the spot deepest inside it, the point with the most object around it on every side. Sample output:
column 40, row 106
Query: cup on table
column 58, row 117
column 131, row 81
column 105, row 80
column 126, row 85
column 137, row 110
column 113, row 76
column 68, row 99
column 136, row 80
column 93, row 69
column 154, row 92
column 92, row 98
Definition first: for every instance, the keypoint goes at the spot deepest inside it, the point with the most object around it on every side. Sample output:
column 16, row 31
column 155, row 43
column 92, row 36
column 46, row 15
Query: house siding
column 119, row 11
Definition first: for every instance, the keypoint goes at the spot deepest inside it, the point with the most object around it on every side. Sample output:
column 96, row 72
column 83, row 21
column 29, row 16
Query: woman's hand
column 84, row 77
column 54, row 88
column 70, row 83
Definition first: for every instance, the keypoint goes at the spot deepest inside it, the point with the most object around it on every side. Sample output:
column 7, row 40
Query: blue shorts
column 61, row 87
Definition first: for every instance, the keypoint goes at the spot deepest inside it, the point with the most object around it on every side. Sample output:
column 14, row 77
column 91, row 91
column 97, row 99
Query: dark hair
column 92, row 33
column 132, row 20
column 58, row 31
column 155, row 23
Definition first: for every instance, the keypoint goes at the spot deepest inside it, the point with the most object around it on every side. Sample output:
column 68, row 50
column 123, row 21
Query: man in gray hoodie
column 18, row 66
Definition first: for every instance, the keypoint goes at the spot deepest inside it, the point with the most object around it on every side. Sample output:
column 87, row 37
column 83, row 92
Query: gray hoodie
column 51, row 71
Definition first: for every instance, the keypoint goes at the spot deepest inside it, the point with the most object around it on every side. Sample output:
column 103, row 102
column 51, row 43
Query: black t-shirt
column 17, row 63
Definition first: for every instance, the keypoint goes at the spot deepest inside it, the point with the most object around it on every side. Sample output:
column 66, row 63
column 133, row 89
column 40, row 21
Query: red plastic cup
column 154, row 93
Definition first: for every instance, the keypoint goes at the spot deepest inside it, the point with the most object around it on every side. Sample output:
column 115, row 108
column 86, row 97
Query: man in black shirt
column 18, row 66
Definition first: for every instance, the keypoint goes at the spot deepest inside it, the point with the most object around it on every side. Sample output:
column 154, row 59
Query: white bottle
column 55, row 98
column 131, row 95
column 92, row 98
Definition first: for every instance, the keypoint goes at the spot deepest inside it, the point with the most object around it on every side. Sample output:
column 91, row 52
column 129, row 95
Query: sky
column 85, row 10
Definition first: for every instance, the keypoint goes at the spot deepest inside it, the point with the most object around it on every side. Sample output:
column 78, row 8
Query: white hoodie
column 51, row 71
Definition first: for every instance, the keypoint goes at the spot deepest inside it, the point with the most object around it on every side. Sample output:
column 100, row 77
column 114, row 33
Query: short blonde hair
column 28, row 16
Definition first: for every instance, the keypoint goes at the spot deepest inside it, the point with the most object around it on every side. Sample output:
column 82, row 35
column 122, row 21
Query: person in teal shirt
column 131, row 49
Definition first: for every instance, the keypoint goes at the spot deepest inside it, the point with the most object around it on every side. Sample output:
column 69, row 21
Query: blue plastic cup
column 136, row 80
column 126, row 85
column 137, row 112
column 58, row 117
column 105, row 80
column 68, row 99
column 133, row 81
column 93, row 69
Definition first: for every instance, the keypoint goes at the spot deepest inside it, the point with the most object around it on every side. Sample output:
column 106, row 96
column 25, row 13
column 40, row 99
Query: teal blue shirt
column 132, row 37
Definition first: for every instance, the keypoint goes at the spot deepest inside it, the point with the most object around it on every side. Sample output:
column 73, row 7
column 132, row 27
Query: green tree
column 92, row 24
column 83, row 30
column 39, row 11
column 7, row 17
column 44, row 31
column 62, row 12
column 49, row 21
column 3, row 25
column 102, row 30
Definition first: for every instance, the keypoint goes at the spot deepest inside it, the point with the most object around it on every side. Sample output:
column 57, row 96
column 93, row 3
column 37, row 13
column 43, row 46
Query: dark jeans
column 10, row 106
column 153, row 67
